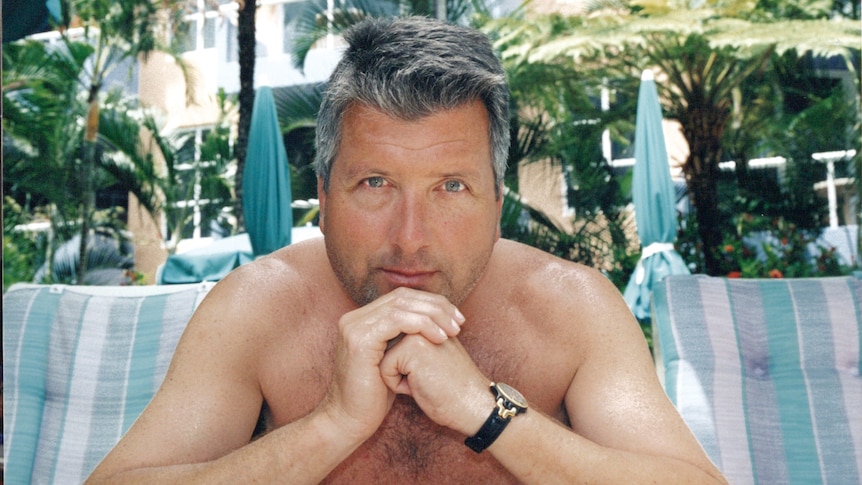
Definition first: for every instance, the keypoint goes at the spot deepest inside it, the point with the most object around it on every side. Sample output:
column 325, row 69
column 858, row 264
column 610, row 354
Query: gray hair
column 410, row 68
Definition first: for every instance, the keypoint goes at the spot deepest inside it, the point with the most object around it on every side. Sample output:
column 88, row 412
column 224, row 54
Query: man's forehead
column 359, row 108
column 466, row 122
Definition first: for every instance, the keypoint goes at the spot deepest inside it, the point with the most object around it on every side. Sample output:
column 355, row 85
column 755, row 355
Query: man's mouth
column 409, row 278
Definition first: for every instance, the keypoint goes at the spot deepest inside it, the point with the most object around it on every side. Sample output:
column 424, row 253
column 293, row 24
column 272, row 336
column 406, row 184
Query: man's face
column 411, row 203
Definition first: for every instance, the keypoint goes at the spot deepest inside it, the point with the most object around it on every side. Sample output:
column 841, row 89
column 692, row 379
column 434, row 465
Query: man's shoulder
column 284, row 296
column 548, row 278
column 523, row 260
column 289, row 276
column 295, row 262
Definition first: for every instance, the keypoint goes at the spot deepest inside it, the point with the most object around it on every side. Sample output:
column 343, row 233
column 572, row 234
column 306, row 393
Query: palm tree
column 40, row 97
column 193, row 169
column 703, row 54
column 246, row 41
column 318, row 22
column 555, row 119
column 42, row 146
column 43, row 110
column 119, row 32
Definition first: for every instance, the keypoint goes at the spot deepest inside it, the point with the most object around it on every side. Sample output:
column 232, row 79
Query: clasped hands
column 405, row 342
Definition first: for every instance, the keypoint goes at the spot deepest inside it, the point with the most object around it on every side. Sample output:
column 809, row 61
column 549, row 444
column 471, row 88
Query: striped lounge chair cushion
column 80, row 364
column 767, row 374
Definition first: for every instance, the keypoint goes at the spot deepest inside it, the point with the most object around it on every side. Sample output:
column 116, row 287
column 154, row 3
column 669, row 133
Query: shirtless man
column 373, row 350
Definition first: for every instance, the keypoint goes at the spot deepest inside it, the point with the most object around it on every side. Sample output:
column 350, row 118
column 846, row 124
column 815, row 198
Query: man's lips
column 409, row 278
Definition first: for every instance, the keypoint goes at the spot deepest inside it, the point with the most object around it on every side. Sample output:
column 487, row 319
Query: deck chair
column 766, row 373
column 80, row 364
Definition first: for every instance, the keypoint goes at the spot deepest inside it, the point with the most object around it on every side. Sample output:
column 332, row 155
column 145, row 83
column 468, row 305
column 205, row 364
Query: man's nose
column 410, row 224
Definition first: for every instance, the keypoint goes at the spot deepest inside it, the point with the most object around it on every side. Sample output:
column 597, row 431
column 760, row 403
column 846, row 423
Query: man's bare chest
column 408, row 447
column 297, row 372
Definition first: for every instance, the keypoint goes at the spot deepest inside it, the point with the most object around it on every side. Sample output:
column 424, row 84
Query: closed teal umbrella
column 654, row 201
column 266, row 196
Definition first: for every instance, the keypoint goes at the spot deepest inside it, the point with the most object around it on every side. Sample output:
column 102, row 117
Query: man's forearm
column 281, row 456
column 537, row 449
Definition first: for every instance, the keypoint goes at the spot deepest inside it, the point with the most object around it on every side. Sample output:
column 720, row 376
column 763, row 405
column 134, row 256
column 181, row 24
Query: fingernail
column 443, row 333
column 459, row 316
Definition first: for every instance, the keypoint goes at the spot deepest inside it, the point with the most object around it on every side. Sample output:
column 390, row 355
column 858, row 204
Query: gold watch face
column 511, row 394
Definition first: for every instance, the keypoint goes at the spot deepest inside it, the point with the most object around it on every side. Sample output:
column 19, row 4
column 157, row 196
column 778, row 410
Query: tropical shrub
column 23, row 251
column 769, row 247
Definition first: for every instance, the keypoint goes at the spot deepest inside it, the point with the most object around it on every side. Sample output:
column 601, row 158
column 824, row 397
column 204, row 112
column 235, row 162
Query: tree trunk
column 858, row 173
column 89, row 153
column 705, row 198
column 703, row 128
column 246, row 43
column 87, row 208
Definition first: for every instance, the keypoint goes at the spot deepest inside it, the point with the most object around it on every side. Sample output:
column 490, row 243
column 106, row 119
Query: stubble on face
column 368, row 284
column 448, row 256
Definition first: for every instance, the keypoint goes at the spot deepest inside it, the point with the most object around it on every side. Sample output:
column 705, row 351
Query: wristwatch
column 510, row 403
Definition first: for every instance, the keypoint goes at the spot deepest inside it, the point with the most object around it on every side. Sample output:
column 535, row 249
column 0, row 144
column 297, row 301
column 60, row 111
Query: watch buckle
column 503, row 411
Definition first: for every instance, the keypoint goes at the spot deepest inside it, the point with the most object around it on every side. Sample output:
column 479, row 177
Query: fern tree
column 702, row 55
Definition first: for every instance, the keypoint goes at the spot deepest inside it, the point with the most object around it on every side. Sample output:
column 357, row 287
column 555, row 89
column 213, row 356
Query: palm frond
column 315, row 22
column 297, row 106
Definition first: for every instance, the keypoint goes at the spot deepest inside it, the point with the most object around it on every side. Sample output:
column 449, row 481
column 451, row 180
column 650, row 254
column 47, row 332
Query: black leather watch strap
column 509, row 403
column 489, row 432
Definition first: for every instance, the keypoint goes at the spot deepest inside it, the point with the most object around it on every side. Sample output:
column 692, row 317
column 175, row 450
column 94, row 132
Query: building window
column 201, row 210
column 201, row 26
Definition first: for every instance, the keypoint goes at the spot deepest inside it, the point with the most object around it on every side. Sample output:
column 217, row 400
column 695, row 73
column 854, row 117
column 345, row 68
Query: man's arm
column 624, row 429
column 198, row 426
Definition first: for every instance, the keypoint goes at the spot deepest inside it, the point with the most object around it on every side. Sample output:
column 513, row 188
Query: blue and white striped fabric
column 767, row 374
column 80, row 364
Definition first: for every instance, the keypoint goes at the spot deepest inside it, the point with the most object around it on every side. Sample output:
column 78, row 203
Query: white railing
column 829, row 158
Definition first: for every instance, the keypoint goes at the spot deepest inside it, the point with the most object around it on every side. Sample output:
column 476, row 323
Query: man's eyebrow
column 467, row 173
column 362, row 170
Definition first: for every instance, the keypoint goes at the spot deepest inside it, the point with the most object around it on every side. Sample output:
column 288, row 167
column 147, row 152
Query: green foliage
column 595, row 242
column 42, row 109
column 316, row 23
column 708, row 55
column 22, row 250
column 762, row 234
column 127, row 30
column 791, row 112
column 55, row 106
column 555, row 120
column 193, row 169
column 297, row 108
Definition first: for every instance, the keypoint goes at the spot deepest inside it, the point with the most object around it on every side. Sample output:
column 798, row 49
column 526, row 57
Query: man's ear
column 321, row 197
column 500, row 211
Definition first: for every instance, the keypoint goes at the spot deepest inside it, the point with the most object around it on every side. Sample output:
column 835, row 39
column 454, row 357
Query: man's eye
column 453, row 186
column 375, row 182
